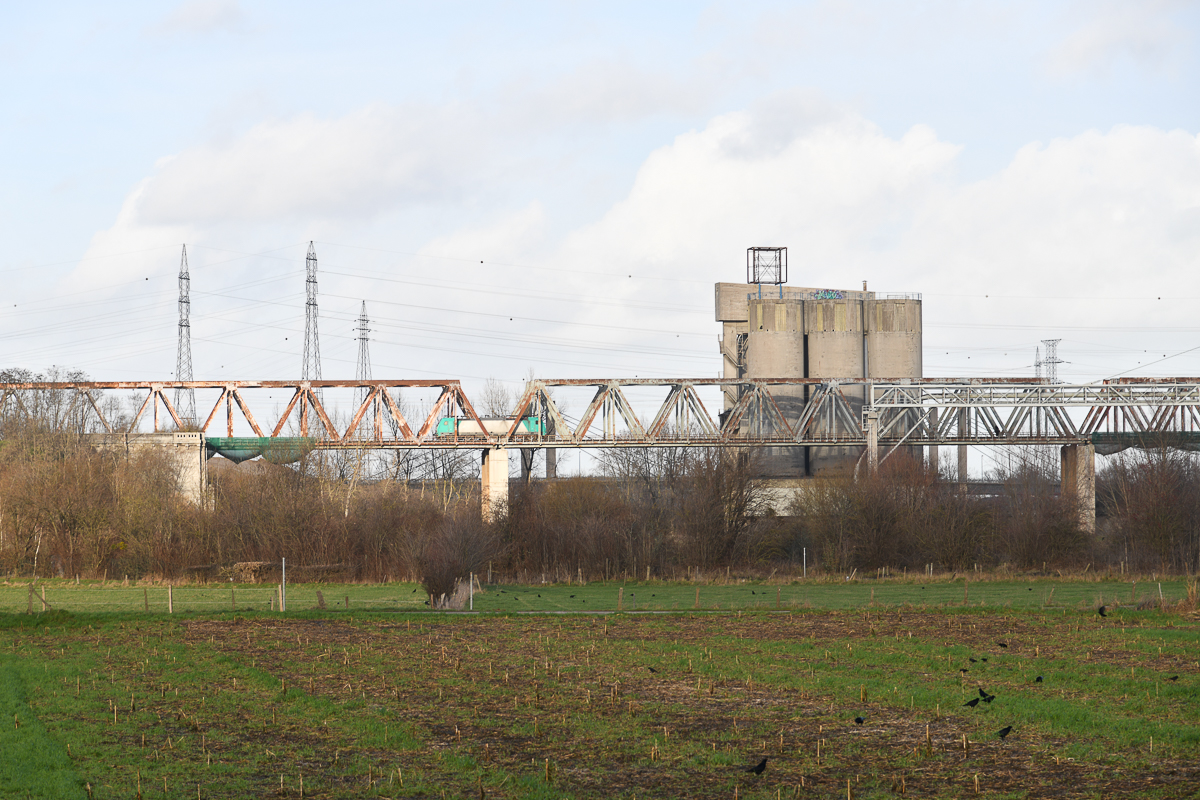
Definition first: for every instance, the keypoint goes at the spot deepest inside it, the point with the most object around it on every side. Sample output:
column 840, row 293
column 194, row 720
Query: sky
column 553, row 188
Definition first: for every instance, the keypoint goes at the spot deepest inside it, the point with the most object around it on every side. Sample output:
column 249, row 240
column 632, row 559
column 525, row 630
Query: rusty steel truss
column 883, row 413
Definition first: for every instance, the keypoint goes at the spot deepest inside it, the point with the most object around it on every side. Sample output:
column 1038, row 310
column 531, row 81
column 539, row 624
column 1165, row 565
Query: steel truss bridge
column 764, row 413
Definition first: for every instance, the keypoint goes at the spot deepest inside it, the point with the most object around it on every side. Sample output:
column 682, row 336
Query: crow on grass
column 1005, row 731
column 1101, row 611
column 859, row 720
column 974, row 701
column 1002, row 644
column 758, row 768
column 1038, row 679
column 1173, row 678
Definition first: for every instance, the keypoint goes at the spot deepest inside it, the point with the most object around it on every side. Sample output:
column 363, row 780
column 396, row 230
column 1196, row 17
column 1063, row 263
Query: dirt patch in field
column 681, row 705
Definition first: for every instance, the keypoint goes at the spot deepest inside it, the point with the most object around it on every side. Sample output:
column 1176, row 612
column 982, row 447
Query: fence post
column 620, row 596
column 145, row 599
column 283, row 585
column 30, row 610
column 170, row 599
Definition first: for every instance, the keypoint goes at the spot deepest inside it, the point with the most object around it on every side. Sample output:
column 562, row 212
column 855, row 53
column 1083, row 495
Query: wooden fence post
column 170, row 600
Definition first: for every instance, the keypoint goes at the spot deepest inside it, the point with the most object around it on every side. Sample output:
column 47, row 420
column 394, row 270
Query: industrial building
column 770, row 330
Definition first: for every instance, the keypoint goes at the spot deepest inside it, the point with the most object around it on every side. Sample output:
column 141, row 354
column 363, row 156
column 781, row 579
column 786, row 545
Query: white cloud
column 1099, row 215
column 357, row 166
column 1143, row 31
column 202, row 16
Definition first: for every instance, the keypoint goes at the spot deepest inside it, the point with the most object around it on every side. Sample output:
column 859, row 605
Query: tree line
column 67, row 509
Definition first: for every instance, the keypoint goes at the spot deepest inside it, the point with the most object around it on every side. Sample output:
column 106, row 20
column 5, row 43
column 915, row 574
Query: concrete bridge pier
column 493, row 476
column 1078, row 474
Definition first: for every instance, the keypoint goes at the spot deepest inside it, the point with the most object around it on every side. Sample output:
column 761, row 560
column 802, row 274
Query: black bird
column 539, row 595
column 1002, row 644
column 751, row 591
column 974, row 701
column 1101, row 611
column 1030, row 589
column 572, row 597
column 982, row 693
column 989, row 698
column 1173, row 678
column 859, row 720
column 758, row 768
column 1005, row 731
column 971, row 660
column 1038, row 679
column 652, row 669
column 963, row 670
column 985, row 659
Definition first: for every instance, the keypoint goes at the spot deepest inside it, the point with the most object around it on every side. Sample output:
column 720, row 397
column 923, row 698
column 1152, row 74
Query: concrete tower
column 770, row 330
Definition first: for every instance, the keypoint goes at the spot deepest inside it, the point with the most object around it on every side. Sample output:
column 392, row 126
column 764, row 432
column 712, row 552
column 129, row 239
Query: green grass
column 224, row 703
column 942, row 592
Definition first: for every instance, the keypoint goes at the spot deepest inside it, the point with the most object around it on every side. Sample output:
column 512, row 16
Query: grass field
column 99, row 698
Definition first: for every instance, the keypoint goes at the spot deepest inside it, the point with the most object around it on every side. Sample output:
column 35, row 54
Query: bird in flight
column 758, row 768
column 1005, row 731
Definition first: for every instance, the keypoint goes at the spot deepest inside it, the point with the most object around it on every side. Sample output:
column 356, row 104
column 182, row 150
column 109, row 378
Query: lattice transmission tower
column 362, row 372
column 310, row 370
column 185, row 399
column 1048, row 366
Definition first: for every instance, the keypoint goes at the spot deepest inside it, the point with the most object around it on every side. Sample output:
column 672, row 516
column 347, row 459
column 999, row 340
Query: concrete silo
column 837, row 350
column 776, row 331
column 775, row 349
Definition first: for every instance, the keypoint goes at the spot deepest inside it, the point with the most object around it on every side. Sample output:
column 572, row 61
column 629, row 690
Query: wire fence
column 42, row 596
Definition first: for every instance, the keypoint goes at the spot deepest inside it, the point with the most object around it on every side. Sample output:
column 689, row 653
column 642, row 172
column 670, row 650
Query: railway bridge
column 877, row 417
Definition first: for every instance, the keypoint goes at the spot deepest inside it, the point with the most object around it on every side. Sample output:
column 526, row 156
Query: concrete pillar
column 962, row 467
column 933, row 448
column 1078, row 473
column 493, row 475
column 872, row 442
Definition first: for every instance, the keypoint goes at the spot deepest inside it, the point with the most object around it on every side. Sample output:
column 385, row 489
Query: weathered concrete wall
column 493, row 477
column 1078, row 469
column 185, row 451
column 836, row 350
column 800, row 331
column 775, row 349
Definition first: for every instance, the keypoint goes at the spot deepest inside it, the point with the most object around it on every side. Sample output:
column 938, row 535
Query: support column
column 872, row 442
column 1078, row 472
column 933, row 448
column 493, row 475
column 963, row 432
